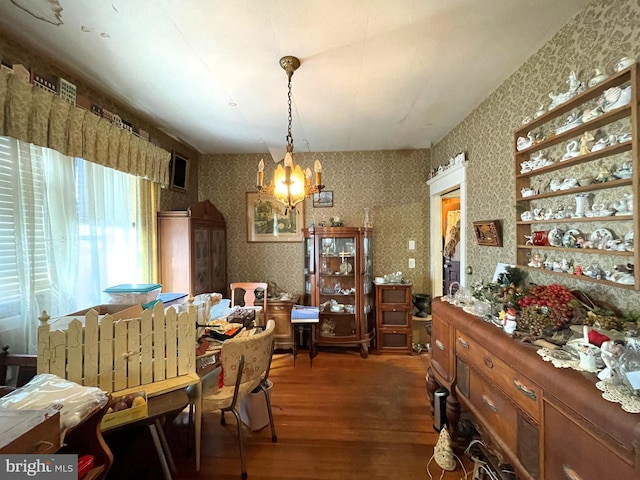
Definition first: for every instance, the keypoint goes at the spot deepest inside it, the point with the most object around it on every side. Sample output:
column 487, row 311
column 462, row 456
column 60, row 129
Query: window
column 68, row 230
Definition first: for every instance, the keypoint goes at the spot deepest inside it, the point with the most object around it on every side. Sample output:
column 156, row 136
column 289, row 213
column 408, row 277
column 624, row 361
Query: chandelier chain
column 289, row 136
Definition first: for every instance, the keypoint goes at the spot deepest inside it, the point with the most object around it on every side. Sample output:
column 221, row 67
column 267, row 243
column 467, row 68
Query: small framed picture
column 488, row 233
column 179, row 172
column 323, row 199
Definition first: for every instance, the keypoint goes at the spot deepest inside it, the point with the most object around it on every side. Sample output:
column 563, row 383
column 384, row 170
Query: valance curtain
column 34, row 115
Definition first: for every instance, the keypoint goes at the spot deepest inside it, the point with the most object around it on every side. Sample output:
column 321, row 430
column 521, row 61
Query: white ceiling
column 375, row 74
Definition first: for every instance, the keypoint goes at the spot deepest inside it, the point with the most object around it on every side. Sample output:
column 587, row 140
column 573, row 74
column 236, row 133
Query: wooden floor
column 347, row 418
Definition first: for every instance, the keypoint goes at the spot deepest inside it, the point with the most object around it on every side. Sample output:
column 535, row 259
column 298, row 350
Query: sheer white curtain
column 68, row 230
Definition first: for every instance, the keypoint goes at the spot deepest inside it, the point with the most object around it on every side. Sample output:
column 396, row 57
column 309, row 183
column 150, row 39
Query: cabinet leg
column 453, row 414
column 364, row 350
column 432, row 386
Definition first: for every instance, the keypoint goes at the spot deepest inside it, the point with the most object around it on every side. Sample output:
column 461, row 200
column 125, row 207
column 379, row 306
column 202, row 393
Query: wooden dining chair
column 250, row 297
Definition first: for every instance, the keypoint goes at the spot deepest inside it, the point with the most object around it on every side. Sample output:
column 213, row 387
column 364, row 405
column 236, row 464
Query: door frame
column 453, row 178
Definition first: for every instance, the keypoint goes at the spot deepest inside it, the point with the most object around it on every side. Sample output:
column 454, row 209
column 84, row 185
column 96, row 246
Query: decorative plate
column 600, row 237
column 346, row 268
column 555, row 237
column 570, row 239
column 628, row 241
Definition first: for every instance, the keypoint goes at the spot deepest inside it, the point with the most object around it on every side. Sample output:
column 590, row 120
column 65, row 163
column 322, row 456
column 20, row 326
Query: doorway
column 447, row 191
column 450, row 241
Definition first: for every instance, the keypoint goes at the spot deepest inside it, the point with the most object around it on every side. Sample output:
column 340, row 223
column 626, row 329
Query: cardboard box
column 137, row 412
column 118, row 312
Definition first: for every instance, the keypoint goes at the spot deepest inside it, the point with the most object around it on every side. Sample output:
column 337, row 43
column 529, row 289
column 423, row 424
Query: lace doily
column 562, row 359
column 619, row 394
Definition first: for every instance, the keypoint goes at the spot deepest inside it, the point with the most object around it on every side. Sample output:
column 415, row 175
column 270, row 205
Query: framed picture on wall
column 323, row 199
column 266, row 221
column 179, row 170
column 488, row 233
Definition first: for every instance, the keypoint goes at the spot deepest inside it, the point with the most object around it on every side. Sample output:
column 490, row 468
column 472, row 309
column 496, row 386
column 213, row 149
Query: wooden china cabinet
column 338, row 270
column 192, row 250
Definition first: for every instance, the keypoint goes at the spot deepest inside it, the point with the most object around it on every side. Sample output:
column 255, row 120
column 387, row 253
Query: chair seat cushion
column 222, row 397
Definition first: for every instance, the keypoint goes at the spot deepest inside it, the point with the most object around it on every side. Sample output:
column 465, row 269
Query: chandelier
column 290, row 184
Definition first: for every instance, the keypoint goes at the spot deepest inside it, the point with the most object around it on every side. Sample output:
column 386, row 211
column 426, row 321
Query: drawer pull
column 570, row 473
column 278, row 307
column 488, row 362
column 41, row 447
column 521, row 388
column 489, row 404
column 463, row 342
column 440, row 345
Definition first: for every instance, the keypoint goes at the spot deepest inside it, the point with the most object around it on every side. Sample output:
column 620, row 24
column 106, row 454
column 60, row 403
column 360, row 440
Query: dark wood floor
column 345, row 418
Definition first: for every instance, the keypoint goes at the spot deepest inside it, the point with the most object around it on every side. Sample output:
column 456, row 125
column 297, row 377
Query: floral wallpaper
column 392, row 184
column 597, row 37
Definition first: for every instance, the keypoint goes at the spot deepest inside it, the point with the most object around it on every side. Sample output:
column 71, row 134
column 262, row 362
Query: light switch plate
column 412, row 263
column 412, row 244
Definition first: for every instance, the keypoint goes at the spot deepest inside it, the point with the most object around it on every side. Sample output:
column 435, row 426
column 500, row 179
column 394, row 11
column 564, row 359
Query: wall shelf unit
column 591, row 113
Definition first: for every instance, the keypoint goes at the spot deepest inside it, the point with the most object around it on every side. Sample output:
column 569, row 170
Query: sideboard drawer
column 572, row 452
column 494, row 409
column 441, row 349
column 515, row 385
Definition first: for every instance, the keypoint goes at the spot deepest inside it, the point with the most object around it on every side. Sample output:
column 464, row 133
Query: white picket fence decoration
column 154, row 353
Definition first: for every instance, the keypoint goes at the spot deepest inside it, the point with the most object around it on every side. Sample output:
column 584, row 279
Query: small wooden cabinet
column 393, row 318
column 338, row 266
column 192, row 250
column 280, row 312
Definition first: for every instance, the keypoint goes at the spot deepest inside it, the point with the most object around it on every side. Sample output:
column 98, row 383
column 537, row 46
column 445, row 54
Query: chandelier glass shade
column 291, row 184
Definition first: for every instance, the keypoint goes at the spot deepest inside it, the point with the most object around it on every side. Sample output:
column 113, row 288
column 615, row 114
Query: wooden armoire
column 192, row 247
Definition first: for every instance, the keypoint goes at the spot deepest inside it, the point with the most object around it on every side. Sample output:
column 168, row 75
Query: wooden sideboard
column 548, row 423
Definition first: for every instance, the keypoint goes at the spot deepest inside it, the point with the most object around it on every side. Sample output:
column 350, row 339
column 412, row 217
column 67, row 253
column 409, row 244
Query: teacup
column 526, row 216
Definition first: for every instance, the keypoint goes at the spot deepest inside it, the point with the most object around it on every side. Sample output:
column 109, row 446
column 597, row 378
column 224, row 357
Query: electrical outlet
column 412, row 244
column 412, row 263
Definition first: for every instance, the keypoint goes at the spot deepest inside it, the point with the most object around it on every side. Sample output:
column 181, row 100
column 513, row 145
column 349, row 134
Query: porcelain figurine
column 541, row 111
column 586, row 142
column 603, row 175
column 591, row 113
column 575, row 87
column 573, row 120
column 525, row 142
column 572, row 151
column 537, row 261
column 569, row 183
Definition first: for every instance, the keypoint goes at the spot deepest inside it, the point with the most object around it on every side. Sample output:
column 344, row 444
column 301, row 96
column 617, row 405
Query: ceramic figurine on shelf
column 575, row 87
column 603, row 174
column 586, row 142
column 577, row 270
